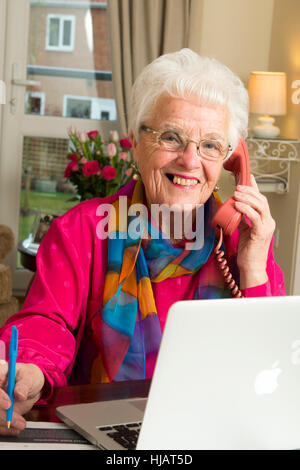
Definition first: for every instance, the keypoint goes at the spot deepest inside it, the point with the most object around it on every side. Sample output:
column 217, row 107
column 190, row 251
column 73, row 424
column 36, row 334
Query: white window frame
column 61, row 47
column 79, row 98
column 97, row 105
column 104, row 104
column 15, row 124
column 36, row 94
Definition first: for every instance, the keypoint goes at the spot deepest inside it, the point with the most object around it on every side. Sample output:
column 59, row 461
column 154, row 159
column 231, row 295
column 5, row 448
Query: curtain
column 140, row 31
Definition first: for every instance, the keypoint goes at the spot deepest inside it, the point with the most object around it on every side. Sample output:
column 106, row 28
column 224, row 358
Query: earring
column 216, row 188
column 137, row 174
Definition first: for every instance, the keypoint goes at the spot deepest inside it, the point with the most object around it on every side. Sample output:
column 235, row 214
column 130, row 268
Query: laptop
column 227, row 377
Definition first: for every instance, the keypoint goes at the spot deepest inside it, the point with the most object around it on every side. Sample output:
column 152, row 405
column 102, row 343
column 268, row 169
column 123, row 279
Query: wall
column 238, row 33
column 2, row 49
column 263, row 35
column 46, row 158
column 80, row 58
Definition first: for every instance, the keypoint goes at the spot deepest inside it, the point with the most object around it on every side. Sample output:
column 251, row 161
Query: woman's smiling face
column 159, row 167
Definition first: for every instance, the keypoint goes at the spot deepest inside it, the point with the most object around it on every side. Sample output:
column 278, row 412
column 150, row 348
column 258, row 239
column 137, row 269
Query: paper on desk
column 46, row 436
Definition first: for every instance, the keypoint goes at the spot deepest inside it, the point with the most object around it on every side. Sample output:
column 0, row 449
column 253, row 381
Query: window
column 60, row 33
column 78, row 107
column 89, row 108
column 104, row 115
column 35, row 102
column 40, row 144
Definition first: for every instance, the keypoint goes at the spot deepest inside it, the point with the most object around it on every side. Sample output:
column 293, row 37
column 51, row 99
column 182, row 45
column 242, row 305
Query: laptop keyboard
column 124, row 434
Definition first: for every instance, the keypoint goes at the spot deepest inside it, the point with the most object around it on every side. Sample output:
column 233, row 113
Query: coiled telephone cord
column 223, row 265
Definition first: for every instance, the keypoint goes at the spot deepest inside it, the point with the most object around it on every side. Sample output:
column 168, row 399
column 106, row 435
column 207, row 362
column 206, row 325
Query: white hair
column 186, row 74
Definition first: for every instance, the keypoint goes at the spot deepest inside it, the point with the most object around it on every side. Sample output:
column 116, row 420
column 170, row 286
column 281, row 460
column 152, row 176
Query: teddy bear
column 8, row 304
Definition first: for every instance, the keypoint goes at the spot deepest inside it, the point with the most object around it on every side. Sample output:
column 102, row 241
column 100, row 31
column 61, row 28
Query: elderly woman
column 97, row 307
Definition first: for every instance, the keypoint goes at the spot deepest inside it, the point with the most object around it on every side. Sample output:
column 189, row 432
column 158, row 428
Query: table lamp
column 267, row 96
column 2, row 92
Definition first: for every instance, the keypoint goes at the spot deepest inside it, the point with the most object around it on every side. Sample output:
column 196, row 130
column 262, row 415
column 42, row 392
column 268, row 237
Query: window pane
column 78, row 108
column 67, row 33
column 54, row 32
column 83, row 71
column 34, row 104
column 105, row 115
column 44, row 189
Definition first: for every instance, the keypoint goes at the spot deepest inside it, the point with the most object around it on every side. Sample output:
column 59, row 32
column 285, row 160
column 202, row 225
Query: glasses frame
column 188, row 140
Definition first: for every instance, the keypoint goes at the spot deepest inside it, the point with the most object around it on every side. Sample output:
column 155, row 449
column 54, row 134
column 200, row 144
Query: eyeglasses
column 172, row 141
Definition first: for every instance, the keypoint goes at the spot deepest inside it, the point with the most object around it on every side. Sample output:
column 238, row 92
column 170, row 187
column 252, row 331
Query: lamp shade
column 2, row 92
column 267, row 93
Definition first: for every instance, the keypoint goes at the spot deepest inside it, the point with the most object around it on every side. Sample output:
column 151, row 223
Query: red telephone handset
column 227, row 216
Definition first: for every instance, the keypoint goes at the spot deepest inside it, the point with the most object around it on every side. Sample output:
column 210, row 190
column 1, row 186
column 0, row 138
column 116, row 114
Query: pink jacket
column 54, row 323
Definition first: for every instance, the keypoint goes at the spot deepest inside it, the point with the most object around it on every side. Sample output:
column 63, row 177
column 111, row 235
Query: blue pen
column 13, row 347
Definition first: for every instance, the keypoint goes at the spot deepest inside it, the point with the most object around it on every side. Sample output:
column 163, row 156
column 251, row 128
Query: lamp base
column 265, row 129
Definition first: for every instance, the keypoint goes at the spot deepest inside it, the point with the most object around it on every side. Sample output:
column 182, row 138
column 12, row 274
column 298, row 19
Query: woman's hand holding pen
column 28, row 386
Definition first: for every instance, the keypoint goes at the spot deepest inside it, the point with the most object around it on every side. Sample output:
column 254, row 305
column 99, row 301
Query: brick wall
column 55, row 88
column 45, row 157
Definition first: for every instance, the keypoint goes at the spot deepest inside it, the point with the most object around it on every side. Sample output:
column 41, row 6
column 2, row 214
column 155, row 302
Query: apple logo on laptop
column 266, row 381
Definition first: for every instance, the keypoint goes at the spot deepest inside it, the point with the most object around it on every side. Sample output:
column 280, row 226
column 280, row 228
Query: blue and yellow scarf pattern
column 128, row 326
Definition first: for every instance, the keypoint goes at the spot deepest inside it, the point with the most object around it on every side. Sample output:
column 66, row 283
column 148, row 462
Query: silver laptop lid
column 227, row 377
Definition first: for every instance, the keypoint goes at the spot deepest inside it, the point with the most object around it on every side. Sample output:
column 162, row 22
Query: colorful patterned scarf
column 128, row 324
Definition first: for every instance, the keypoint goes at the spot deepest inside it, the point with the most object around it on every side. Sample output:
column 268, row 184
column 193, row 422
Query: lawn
column 52, row 203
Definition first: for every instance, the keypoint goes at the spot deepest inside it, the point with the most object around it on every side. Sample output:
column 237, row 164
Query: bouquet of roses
column 96, row 168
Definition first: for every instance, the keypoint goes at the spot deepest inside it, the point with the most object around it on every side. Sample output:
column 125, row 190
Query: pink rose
column 125, row 143
column 93, row 134
column 114, row 135
column 73, row 157
column 82, row 136
column 91, row 168
column 128, row 172
column 123, row 156
column 109, row 172
column 111, row 150
column 72, row 130
column 72, row 166
column 83, row 160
